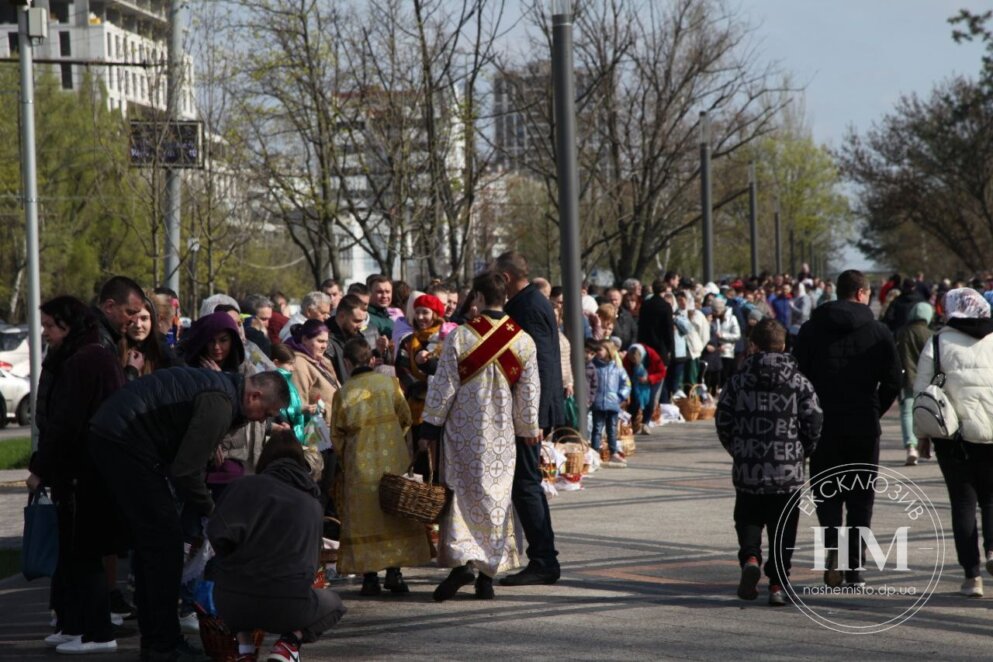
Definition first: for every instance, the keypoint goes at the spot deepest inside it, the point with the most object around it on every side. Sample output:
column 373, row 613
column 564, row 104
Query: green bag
column 571, row 413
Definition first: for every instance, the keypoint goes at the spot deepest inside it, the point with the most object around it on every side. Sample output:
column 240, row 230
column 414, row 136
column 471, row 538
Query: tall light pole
column 705, row 199
column 779, row 240
column 567, row 169
column 174, row 189
column 32, row 24
column 753, row 218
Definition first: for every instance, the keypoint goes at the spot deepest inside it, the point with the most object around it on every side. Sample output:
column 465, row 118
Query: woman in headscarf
column 417, row 359
column 965, row 345
column 316, row 382
column 313, row 374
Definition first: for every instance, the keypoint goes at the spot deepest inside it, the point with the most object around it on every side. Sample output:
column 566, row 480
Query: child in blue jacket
column 613, row 388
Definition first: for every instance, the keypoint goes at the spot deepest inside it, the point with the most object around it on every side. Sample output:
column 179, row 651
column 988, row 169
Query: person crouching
column 266, row 531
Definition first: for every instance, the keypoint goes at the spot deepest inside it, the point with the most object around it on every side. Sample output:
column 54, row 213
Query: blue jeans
column 601, row 418
column 907, row 418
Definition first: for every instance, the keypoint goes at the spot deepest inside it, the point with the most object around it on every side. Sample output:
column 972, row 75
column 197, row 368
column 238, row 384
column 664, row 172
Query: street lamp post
column 705, row 199
column 753, row 216
column 779, row 240
column 563, row 85
column 32, row 24
column 173, row 182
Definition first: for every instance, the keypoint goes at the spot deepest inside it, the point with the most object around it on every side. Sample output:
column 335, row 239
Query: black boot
column 370, row 584
column 394, row 581
column 457, row 578
column 484, row 587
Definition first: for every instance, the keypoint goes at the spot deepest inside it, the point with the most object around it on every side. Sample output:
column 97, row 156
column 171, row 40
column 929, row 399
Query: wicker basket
column 689, row 406
column 627, row 444
column 572, row 444
column 219, row 643
column 707, row 413
column 403, row 497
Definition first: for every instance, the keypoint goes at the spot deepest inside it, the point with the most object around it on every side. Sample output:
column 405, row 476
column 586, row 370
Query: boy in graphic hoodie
column 768, row 437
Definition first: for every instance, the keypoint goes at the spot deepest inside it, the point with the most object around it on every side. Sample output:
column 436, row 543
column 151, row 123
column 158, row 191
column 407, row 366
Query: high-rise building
column 134, row 32
column 523, row 115
column 520, row 98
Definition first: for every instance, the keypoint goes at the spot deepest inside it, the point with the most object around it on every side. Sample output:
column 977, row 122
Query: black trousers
column 149, row 508
column 968, row 472
column 755, row 512
column 853, row 507
column 79, row 587
column 532, row 508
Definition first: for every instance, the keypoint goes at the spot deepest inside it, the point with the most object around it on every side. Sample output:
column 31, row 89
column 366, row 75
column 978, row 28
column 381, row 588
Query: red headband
column 431, row 302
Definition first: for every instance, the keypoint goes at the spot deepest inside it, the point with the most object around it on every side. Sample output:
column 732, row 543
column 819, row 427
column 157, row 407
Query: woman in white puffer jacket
column 966, row 352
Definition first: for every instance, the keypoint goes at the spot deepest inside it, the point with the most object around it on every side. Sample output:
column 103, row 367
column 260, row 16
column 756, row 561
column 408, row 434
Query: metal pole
column 30, row 178
column 753, row 218
column 792, row 251
column 779, row 241
column 173, row 183
column 568, row 176
column 705, row 200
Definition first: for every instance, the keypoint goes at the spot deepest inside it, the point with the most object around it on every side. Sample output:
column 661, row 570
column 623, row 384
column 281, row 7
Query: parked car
column 16, row 398
column 14, row 354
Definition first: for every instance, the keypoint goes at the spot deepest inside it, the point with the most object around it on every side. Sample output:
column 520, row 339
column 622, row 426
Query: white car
column 15, row 356
column 16, row 398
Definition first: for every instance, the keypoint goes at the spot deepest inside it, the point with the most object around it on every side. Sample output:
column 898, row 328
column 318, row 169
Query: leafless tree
column 645, row 71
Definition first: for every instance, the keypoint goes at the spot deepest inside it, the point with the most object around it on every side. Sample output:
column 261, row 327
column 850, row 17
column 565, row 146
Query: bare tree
column 644, row 73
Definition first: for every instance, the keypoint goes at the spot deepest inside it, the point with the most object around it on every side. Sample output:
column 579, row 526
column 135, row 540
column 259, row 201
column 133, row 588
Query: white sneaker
column 80, row 647
column 912, row 456
column 58, row 638
column 972, row 587
column 189, row 624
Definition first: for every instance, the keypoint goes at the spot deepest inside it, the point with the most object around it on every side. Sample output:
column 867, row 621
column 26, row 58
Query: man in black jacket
column 851, row 360
column 898, row 312
column 119, row 302
column 349, row 319
column 655, row 327
column 533, row 311
column 152, row 440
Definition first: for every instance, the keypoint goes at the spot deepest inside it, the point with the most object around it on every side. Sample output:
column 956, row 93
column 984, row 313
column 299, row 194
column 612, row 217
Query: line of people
column 147, row 428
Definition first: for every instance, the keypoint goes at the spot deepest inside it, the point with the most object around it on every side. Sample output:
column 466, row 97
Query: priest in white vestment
column 483, row 395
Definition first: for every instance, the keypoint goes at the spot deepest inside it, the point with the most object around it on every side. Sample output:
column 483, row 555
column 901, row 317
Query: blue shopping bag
column 40, row 545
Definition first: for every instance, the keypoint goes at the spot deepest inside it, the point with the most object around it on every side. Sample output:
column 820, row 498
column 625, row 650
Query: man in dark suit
column 533, row 312
column 655, row 327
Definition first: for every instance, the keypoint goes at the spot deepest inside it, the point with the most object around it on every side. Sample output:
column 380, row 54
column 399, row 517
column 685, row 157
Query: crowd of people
column 156, row 439
column 164, row 443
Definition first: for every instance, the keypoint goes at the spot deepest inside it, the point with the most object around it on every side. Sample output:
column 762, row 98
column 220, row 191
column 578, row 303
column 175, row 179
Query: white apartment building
column 117, row 31
column 373, row 126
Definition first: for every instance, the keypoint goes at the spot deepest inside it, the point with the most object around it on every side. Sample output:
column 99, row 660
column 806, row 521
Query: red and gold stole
column 495, row 339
